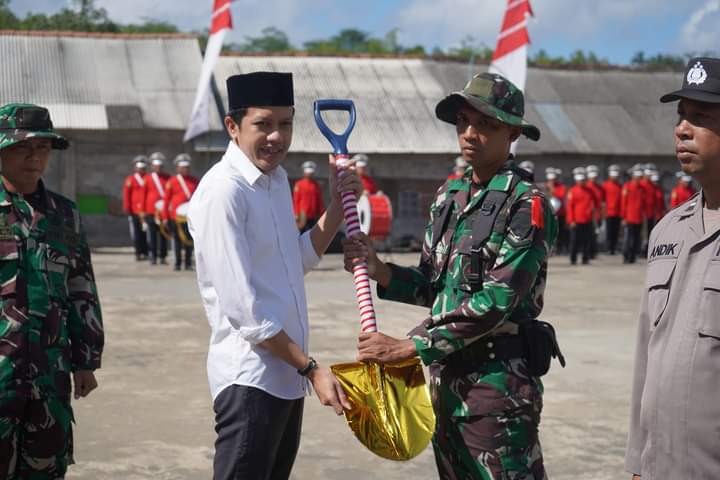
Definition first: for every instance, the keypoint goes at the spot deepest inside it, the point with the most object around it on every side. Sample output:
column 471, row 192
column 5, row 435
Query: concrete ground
column 152, row 418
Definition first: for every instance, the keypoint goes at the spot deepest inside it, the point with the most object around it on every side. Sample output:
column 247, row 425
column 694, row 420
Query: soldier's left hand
column 349, row 182
column 84, row 382
column 380, row 348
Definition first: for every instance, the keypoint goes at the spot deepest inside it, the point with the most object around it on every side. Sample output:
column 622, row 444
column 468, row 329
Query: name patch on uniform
column 6, row 232
column 665, row 251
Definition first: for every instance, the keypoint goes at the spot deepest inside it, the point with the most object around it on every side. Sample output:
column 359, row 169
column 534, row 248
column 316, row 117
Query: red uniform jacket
column 613, row 197
column 599, row 196
column 175, row 195
column 155, row 191
column 632, row 207
column 307, row 198
column 560, row 192
column 659, row 202
column 134, row 194
column 580, row 204
column 680, row 194
column 649, row 198
column 368, row 184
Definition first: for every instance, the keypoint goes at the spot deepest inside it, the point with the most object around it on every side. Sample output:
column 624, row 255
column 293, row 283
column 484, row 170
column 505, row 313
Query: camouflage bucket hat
column 23, row 121
column 492, row 95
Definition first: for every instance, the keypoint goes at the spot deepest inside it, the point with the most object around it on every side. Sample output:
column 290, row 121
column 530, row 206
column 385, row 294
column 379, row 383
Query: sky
column 612, row 29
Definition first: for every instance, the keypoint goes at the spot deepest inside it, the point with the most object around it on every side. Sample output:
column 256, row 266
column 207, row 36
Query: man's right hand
column 329, row 390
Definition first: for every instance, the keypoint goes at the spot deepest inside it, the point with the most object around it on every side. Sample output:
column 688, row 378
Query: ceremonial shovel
column 391, row 414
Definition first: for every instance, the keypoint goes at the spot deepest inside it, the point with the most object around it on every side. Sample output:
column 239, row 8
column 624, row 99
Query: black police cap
column 260, row 89
column 701, row 82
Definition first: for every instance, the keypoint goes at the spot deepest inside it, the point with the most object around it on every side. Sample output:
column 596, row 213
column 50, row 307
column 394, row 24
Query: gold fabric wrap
column 392, row 414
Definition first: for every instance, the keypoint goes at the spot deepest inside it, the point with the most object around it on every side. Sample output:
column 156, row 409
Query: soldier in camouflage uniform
column 50, row 324
column 486, row 401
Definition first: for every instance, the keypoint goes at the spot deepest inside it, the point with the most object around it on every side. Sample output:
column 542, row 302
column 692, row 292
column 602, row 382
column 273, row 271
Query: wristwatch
column 312, row 364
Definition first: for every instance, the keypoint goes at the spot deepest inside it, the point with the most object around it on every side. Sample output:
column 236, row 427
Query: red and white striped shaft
column 368, row 322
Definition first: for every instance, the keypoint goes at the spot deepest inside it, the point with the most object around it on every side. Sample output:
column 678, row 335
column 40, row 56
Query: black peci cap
column 701, row 82
column 260, row 89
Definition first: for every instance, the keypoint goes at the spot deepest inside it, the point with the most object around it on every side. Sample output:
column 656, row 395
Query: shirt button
column 490, row 344
column 491, row 356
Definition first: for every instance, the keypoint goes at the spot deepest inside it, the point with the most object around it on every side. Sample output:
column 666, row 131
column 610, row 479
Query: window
column 408, row 204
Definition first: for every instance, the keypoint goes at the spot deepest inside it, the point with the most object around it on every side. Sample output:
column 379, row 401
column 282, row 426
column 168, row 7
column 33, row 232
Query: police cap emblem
column 697, row 75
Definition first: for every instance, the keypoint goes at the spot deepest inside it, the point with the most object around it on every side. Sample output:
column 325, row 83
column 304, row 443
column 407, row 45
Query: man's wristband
column 312, row 365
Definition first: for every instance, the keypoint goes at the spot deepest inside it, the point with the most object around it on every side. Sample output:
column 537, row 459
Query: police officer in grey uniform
column 675, row 418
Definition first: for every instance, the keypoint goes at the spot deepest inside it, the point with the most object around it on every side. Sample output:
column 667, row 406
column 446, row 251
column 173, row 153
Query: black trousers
column 137, row 235
column 178, row 246
column 631, row 242
column 258, row 435
column 580, row 238
column 157, row 243
column 594, row 240
column 612, row 227
column 649, row 225
column 563, row 239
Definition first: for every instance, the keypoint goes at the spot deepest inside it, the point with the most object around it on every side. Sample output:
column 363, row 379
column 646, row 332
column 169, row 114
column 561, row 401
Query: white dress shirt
column 251, row 261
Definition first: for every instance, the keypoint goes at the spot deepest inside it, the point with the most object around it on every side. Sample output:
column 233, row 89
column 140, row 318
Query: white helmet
column 140, row 161
column 182, row 160
column 528, row 166
column 361, row 160
column 579, row 174
column 157, row 158
column 309, row 167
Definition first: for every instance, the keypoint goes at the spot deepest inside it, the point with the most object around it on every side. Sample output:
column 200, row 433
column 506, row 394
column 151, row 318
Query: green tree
column 659, row 60
column 8, row 20
column 150, row 26
column 271, row 40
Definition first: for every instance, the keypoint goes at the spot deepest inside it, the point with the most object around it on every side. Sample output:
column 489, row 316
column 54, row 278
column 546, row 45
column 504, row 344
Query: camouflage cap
column 492, row 95
column 22, row 121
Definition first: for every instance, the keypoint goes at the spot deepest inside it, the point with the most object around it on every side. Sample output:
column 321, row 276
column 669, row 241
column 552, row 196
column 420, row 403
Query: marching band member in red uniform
column 361, row 164
column 682, row 191
column 307, row 199
column 580, row 209
column 632, row 208
column 178, row 191
column 612, row 189
column 134, row 205
column 155, row 183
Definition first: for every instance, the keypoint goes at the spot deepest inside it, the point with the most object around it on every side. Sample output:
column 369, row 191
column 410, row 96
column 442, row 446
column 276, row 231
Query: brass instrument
column 162, row 226
column 180, row 222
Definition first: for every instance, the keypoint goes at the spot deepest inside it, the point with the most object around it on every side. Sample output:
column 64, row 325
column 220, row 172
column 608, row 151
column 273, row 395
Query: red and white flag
column 219, row 26
column 510, row 57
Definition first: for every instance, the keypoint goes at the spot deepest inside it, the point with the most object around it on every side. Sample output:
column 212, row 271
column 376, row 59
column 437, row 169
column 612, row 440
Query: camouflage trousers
column 487, row 422
column 35, row 438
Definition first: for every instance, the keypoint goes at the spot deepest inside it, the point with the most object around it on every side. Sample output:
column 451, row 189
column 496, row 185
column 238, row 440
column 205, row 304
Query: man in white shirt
column 251, row 260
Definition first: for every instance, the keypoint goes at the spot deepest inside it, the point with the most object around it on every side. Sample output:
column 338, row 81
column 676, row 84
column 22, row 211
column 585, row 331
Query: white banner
column 200, row 118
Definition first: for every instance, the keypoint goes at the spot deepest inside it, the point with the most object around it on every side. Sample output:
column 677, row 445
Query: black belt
column 487, row 349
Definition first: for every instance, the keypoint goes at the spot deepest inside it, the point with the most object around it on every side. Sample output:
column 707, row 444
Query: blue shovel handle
column 338, row 141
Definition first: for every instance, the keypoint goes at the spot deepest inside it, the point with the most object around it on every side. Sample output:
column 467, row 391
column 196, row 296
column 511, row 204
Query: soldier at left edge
column 134, row 190
column 48, row 335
